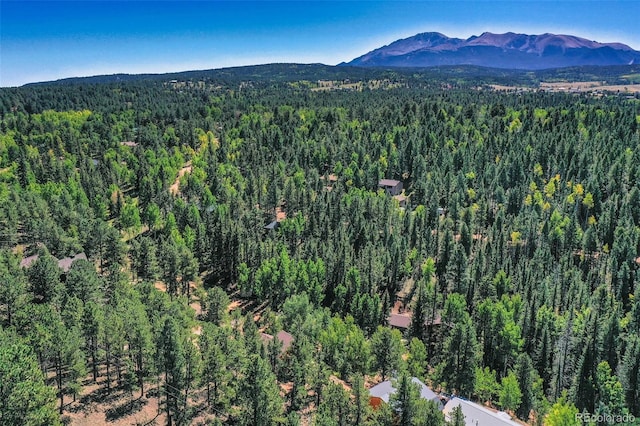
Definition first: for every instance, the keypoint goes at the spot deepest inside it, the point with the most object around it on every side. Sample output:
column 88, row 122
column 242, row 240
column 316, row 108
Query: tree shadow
column 101, row 396
column 126, row 409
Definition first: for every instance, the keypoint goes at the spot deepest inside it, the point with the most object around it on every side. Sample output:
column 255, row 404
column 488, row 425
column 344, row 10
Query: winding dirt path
column 174, row 189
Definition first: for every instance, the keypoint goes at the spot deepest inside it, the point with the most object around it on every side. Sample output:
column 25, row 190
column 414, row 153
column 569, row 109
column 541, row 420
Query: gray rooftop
column 64, row 263
column 477, row 415
column 425, row 392
column 382, row 390
column 272, row 225
column 385, row 389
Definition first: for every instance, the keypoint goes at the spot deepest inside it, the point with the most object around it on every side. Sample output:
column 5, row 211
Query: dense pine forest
column 156, row 233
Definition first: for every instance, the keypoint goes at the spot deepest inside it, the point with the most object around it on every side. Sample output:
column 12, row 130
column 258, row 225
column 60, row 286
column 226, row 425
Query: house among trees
column 280, row 215
column 402, row 200
column 399, row 321
column 27, row 261
column 64, row 264
column 272, row 226
column 282, row 336
column 382, row 392
column 477, row 415
column 390, row 186
column 403, row 321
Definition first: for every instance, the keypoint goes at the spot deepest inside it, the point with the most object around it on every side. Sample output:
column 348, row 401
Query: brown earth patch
column 174, row 189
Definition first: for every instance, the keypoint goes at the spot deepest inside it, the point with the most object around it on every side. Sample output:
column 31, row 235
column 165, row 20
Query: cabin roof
column 477, row 415
column 404, row 320
column 399, row 320
column 388, row 182
column 27, row 261
column 64, row 263
column 282, row 336
column 272, row 225
column 385, row 389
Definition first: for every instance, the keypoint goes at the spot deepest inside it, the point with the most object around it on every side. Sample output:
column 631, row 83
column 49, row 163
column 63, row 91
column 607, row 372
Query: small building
column 390, row 186
column 402, row 200
column 282, row 336
column 272, row 226
column 382, row 392
column 403, row 321
column 477, row 415
column 27, row 261
column 64, row 264
column 399, row 321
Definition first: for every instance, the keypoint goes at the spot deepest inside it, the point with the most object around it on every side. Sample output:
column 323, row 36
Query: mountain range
column 508, row 51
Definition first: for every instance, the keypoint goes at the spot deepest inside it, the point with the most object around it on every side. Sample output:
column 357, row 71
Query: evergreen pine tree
column 24, row 397
column 261, row 404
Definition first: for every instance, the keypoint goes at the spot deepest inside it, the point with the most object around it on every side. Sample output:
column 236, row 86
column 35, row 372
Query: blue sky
column 48, row 40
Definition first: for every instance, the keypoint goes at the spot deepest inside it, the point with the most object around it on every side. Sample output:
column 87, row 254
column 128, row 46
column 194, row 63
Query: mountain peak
column 508, row 50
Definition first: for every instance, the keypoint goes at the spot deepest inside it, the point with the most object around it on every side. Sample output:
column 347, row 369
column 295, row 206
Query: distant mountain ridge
column 509, row 50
